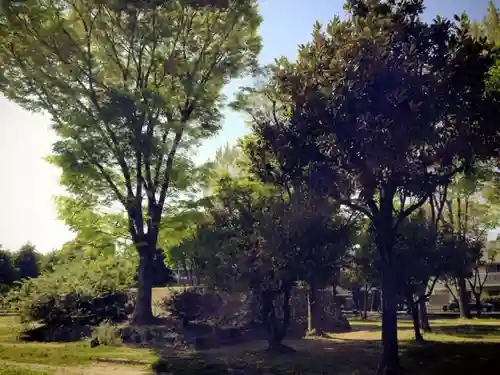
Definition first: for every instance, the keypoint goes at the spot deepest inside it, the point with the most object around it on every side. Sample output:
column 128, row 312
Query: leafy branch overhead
column 132, row 88
column 128, row 88
column 394, row 108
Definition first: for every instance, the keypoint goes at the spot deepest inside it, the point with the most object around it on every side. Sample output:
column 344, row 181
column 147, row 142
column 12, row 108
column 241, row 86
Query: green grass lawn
column 455, row 347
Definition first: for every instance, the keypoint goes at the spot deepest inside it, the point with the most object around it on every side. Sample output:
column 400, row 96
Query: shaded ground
column 456, row 347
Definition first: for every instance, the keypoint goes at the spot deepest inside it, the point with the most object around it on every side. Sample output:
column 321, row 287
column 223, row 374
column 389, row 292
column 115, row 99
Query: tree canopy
column 131, row 88
column 379, row 110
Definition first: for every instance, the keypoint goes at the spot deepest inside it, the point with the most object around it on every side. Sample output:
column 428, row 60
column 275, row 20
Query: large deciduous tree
column 383, row 108
column 131, row 87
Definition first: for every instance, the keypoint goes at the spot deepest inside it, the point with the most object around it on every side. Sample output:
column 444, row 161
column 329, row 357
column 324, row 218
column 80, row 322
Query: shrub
column 191, row 305
column 107, row 334
column 80, row 293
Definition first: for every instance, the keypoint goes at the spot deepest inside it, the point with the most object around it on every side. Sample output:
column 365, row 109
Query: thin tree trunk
column 416, row 320
column 424, row 317
column 463, row 298
column 365, row 303
column 477, row 297
column 143, row 312
column 313, row 313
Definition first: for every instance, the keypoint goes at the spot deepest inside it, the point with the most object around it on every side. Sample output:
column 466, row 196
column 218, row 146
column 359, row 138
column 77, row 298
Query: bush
column 191, row 305
column 107, row 334
column 80, row 293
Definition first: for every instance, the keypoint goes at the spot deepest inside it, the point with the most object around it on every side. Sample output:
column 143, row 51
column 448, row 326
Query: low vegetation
column 81, row 294
column 457, row 347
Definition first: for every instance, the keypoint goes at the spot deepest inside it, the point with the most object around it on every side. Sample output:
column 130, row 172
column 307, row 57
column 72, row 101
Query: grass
column 455, row 347
column 17, row 358
column 14, row 370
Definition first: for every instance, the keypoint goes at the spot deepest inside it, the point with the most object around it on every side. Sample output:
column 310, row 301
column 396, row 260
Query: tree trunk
column 424, row 317
column 477, row 297
column 276, row 330
column 416, row 320
column 463, row 298
column 365, row 304
column 143, row 312
column 390, row 356
column 313, row 313
column 385, row 240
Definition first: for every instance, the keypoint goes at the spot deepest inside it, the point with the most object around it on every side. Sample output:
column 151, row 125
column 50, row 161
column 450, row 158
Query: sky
column 28, row 184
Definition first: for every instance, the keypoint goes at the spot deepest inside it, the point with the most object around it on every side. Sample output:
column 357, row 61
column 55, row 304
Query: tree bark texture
column 390, row 363
column 276, row 326
column 390, row 356
column 143, row 312
column 463, row 298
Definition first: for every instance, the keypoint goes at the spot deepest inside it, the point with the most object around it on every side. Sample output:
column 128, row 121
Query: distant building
column 441, row 295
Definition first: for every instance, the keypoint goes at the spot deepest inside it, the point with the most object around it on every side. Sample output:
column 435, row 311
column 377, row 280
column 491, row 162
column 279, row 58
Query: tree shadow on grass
column 452, row 358
column 312, row 357
column 470, row 330
column 315, row 357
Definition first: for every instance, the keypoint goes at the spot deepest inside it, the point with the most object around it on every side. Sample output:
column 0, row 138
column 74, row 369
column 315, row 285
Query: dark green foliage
column 79, row 293
column 8, row 272
column 79, row 309
column 191, row 305
column 27, row 262
column 417, row 256
column 380, row 108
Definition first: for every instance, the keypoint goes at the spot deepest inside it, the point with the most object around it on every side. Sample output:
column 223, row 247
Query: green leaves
column 130, row 88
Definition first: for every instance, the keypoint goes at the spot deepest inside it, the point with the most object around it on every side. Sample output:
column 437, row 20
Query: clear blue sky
column 28, row 184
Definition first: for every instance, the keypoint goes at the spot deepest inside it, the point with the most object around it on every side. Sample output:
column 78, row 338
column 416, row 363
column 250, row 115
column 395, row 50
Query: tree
column 131, row 88
column 419, row 264
column 326, row 231
column 490, row 26
column 8, row 272
column 49, row 261
column 383, row 108
column 363, row 270
column 26, row 262
column 323, row 242
column 480, row 272
column 253, row 234
column 466, row 222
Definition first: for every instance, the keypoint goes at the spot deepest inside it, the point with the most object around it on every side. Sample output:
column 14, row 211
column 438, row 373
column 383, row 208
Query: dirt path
column 92, row 369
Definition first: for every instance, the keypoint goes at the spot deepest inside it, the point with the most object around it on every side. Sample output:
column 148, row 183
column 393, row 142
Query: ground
column 456, row 347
